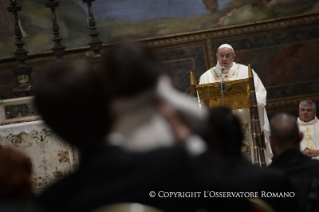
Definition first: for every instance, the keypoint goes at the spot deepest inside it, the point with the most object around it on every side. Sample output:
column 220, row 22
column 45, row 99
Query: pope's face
column 225, row 57
column 306, row 113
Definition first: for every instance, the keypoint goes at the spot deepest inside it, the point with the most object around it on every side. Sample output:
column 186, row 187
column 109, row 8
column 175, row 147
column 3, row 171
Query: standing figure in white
column 235, row 71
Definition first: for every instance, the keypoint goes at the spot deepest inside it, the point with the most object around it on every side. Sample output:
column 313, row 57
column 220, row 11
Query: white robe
column 311, row 134
column 236, row 72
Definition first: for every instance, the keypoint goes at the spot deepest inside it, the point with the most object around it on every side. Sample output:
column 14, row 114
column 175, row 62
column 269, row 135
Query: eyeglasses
column 227, row 56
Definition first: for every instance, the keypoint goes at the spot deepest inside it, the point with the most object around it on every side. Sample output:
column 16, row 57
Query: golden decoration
column 23, row 80
column 308, row 138
column 237, row 95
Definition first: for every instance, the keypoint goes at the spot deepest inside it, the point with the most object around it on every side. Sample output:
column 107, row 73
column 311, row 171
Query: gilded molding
column 238, row 30
column 258, row 27
column 176, row 41
column 291, row 103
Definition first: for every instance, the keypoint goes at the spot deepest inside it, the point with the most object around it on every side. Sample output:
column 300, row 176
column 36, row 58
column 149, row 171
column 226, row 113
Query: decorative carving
column 258, row 27
column 95, row 44
column 23, row 79
column 22, row 72
column 58, row 49
column 291, row 103
column 176, row 41
column 246, row 146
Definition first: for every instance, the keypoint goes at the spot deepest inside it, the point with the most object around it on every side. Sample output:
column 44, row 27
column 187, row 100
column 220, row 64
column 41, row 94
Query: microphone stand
column 221, row 84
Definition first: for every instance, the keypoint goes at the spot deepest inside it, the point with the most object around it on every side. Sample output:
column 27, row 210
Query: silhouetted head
column 284, row 133
column 72, row 100
column 224, row 133
column 130, row 68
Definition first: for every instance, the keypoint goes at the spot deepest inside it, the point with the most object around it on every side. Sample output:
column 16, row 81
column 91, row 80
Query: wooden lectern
column 238, row 94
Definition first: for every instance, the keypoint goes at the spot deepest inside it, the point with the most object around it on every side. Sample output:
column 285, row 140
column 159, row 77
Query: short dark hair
column 284, row 129
column 130, row 68
column 72, row 100
column 224, row 132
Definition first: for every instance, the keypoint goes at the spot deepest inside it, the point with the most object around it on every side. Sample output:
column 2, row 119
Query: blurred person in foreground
column 139, row 91
column 309, row 125
column 73, row 101
column 285, row 140
column 224, row 136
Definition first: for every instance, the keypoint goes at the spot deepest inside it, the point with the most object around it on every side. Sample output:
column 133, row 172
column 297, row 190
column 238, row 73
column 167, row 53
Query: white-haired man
column 235, row 71
column 308, row 124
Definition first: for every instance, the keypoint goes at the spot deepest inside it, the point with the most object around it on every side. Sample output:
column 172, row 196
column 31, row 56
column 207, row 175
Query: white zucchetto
column 225, row 45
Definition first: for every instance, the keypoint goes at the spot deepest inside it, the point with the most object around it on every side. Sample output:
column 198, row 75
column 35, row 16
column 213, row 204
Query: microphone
column 223, row 68
column 221, row 84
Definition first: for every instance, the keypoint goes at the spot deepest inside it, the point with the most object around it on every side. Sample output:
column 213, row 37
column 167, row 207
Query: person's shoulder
column 169, row 159
column 240, row 68
column 58, row 192
column 273, row 172
column 208, row 72
column 176, row 152
column 263, row 173
column 260, row 179
column 313, row 163
column 271, row 179
column 207, row 76
column 239, row 65
column 243, row 67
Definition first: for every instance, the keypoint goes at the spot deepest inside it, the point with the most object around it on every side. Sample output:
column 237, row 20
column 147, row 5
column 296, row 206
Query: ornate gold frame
column 287, row 104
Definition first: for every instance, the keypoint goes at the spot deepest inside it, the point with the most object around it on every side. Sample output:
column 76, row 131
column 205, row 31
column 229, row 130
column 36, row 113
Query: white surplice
column 236, row 72
column 311, row 134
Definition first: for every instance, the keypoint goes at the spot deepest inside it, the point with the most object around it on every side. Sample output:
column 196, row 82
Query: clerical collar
column 231, row 72
column 314, row 121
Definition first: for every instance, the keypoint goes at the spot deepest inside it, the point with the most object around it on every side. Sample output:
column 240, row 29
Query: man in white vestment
column 235, row 71
column 309, row 125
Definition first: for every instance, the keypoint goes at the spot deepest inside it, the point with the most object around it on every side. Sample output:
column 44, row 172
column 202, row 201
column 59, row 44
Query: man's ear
column 233, row 57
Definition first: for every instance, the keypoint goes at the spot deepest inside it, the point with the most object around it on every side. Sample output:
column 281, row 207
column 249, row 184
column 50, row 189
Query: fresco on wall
column 286, row 62
column 139, row 18
column 36, row 26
